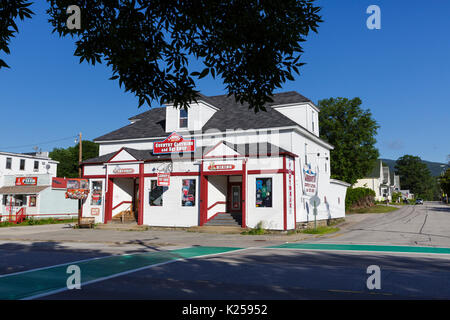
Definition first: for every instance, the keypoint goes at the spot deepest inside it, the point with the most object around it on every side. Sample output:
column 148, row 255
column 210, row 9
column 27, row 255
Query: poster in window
column 96, row 198
column 264, row 192
column 188, row 193
column 32, row 202
column 156, row 194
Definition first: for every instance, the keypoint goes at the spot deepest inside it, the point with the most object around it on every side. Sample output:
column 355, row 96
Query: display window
column 264, row 192
column 188, row 193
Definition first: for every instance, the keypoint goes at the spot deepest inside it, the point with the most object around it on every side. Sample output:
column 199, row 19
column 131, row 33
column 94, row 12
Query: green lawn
column 378, row 208
column 33, row 222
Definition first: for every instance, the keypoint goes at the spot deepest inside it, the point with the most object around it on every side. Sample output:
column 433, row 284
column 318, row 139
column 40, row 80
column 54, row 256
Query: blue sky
column 401, row 73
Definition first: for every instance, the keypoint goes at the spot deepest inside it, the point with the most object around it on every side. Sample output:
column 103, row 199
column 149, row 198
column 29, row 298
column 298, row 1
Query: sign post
column 315, row 201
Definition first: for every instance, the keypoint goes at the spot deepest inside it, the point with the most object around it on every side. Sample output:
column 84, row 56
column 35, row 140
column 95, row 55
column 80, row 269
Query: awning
column 22, row 189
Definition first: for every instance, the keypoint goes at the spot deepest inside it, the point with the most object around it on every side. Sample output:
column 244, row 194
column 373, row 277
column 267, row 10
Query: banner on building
column 309, row 180
column 173, row 144
column 77, row 189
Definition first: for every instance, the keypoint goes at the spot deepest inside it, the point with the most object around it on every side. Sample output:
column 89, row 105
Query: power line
column 39, row 143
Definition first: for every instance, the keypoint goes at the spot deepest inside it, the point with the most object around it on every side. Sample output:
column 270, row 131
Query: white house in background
column 25, row 184
column 216, row 163
column 381, row 180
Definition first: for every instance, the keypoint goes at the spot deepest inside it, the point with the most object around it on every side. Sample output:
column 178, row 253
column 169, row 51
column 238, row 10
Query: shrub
column 359, row 197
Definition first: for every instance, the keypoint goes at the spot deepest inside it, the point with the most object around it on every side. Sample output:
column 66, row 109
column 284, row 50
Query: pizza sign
column 173, row 144
column 26, row 181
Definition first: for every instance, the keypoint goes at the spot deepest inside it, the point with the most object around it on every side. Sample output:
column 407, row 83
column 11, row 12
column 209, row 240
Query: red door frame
column 204, row 192
column 230, row 196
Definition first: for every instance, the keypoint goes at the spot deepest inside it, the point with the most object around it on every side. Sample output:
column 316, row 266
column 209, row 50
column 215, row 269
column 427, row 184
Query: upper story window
column 313, row 116
column 183, row 118
column 8, row 163
column 36, row 165
column 22, row 164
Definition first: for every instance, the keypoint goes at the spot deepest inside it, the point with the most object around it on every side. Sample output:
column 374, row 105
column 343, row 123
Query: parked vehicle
column 419, row 201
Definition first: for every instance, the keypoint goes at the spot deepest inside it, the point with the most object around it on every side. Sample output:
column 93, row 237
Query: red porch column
column 203, row 196
column 244, row 193
column 141, row 194
column 284, row 194
column 109, row 201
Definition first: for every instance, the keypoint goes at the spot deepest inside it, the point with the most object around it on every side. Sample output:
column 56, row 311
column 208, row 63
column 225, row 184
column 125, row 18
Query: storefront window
column 156, row 194
column 32, row 202
column 188, row 193
column 96, row 198
column 264, row 192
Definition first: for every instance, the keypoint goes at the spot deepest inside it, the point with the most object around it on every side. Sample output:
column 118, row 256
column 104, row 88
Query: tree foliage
column 351, row 130
column 68, row 158
column 416, row 177
column 10, row 10
column 444, row 182
column 254, row 46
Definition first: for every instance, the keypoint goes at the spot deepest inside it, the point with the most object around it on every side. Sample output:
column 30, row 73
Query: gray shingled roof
column 231, row 115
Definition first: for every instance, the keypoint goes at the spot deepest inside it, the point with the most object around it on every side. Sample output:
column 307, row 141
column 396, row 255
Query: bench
column 87, row 222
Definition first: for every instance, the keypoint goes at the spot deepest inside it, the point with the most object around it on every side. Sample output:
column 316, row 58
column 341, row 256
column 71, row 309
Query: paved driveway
column 418, row 225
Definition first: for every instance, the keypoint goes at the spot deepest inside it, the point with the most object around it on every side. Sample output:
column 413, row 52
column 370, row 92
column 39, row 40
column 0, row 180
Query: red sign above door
column 173, row 143
column 220, row 167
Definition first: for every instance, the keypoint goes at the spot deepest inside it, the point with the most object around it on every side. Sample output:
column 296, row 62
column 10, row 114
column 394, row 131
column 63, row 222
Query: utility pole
column 80, row 159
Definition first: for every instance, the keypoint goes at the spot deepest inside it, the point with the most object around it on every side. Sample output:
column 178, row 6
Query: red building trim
column 284, row 195
column 109, row 201
column 141, row 194
column 295, row 199
column 244, row 194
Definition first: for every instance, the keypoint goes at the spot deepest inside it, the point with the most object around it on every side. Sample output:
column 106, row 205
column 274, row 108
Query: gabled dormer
column 191, row 119
column 306, row 114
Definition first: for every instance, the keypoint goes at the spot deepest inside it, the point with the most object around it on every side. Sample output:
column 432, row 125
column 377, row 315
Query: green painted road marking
column 41, row 281
column 361, row 247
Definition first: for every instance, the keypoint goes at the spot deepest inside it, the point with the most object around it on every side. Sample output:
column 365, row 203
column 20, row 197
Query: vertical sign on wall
column 290, row 186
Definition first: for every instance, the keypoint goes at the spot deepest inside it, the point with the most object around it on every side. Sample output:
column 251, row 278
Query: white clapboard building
column 217, row 163
column 26, row 187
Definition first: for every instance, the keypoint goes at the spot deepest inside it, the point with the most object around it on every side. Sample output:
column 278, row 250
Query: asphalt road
column 418, row 225
column 250, row 272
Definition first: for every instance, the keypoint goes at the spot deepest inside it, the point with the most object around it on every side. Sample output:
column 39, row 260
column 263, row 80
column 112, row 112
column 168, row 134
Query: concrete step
column 226, row 219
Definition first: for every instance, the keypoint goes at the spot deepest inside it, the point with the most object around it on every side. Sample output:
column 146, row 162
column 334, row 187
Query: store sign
column 290, row 185
column 220, row 167
column 26, row 181
column 309, row 180
column 59, row 183
column 173, row 144
column 163, row 179
column 95, row 211
column 119, row 170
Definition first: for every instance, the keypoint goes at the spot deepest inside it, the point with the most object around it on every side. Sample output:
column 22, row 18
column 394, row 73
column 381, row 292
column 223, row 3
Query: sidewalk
column 159, row 237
